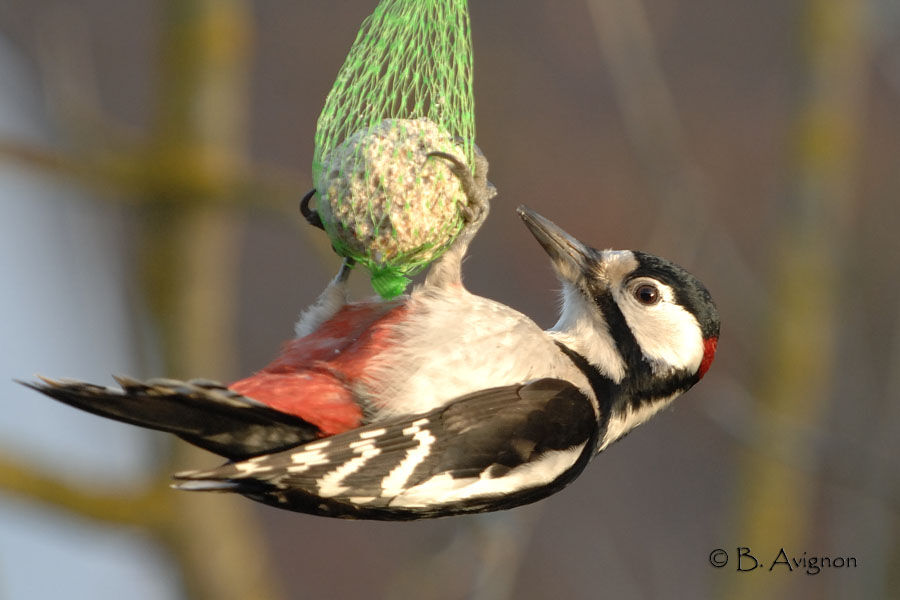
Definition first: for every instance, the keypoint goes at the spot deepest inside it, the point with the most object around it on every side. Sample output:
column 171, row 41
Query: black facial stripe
column 603, row 387
column 653, row 388
column 627, row 345
column 639, row 385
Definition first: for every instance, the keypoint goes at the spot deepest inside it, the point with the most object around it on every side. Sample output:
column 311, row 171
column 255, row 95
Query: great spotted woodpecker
column 441, row 402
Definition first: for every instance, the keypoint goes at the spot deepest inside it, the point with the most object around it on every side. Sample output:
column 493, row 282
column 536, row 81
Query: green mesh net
column 404, row 91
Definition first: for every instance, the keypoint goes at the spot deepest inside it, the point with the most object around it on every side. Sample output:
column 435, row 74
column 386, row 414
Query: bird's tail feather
column 205, row 413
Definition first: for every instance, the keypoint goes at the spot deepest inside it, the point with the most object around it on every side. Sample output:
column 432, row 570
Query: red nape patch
column 709, row 353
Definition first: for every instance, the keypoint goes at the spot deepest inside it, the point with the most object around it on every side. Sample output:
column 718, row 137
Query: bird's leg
column 344, row 272
column 312, row 217
column 329, row 302
column 447, row 270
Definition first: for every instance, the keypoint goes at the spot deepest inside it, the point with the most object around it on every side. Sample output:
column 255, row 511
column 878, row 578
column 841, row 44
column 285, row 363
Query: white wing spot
column 306, row 459
column 317, row 445
column 372, row 433
column 330, row 484
column 395, row 481
column 251, row 467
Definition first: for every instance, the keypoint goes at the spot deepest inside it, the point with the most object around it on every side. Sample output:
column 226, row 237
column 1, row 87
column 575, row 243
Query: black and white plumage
column 443, row 402
column 472, row 455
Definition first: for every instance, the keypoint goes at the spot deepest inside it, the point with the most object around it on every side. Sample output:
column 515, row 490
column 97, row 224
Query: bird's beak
column 571, row 258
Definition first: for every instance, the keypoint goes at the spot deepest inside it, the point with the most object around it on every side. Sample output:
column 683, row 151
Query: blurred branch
column 61, row 163
column 187, row 179
column 146, row 507
column 190, row 263
column 205, row 537
column 128, row 175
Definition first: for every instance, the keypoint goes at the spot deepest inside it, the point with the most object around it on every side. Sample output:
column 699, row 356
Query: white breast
column 455, row 343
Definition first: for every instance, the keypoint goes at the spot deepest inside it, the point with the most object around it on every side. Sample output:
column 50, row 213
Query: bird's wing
column 204, row 413
column 489, row 450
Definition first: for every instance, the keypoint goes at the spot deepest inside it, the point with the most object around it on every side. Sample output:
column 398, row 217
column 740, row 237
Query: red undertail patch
column 314, row 377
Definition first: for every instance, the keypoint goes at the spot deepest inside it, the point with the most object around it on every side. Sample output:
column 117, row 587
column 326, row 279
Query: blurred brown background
column 756, row 143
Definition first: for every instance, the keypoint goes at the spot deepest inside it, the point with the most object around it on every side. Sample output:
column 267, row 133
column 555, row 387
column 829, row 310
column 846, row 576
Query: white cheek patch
column 668, row 335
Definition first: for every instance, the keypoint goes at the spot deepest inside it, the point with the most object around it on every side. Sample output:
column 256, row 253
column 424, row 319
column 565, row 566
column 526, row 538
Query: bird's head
column 647, row 325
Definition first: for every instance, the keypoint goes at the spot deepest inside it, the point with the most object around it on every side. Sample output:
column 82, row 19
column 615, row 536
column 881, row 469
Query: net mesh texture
column 404, row 90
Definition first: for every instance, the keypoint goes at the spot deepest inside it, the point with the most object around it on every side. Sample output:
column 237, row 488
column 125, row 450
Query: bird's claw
column 478, row 190
column 310, row 214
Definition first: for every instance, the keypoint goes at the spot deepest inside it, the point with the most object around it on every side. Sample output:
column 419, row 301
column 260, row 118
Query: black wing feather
column 485, row 435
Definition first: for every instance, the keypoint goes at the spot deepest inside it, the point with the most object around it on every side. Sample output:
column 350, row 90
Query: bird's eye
column 647, row 294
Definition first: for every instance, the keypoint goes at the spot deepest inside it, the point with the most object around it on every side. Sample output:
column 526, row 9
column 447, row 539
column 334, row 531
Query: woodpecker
column 441, row 402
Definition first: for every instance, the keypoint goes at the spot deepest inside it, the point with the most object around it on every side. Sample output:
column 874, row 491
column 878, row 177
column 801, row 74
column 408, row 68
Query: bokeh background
column 152, row 154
